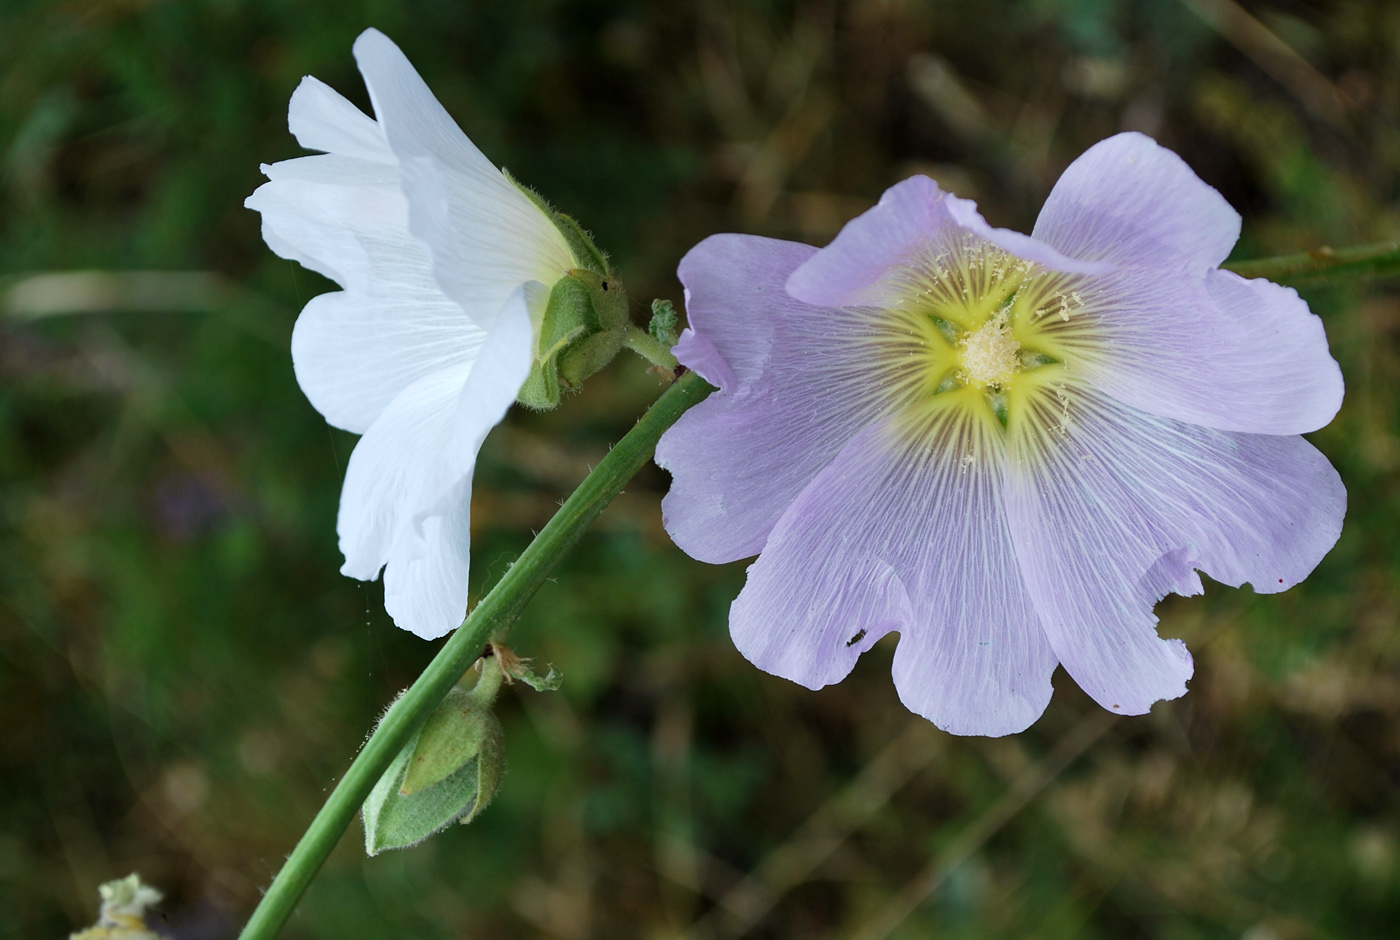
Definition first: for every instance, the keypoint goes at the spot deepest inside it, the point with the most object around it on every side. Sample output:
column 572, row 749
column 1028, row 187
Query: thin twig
column 1276, row 58
column 1381, row 259
column 792, row 863
column 1017, row 797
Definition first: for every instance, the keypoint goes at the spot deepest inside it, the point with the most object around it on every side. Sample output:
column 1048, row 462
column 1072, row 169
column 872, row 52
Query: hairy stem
column 643, row 344
column 496, row 611
column 1325, row 264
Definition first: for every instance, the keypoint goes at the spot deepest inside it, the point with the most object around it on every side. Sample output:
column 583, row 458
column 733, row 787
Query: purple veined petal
column 739, row 458
column 865, row 264
column 320, row 119
column 354, row 351
column 904, row 531
column 1116, row 510
column 735, row 303
column 698, row 354
column 485, row 236
column 1210, row 348
column 1127, row 200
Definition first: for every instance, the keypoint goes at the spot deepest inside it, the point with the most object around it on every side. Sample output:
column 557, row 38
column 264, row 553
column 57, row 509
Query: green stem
column 1324, row 264
column 497, row 610
column 645, row 345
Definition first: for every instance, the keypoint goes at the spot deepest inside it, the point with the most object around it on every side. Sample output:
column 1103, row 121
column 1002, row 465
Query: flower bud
column 663, row 323
column 123, row 913
column 447, row 773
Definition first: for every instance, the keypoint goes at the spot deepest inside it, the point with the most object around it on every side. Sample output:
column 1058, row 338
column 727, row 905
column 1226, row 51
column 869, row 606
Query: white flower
column 446, row 268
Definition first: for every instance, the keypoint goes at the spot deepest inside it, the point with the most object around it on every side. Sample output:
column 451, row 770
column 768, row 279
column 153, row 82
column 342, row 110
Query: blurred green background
column 183, row 672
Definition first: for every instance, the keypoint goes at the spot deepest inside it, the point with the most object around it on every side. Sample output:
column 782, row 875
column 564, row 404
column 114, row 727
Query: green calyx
column 447, row 773
column 585, row 321
column 584, row 326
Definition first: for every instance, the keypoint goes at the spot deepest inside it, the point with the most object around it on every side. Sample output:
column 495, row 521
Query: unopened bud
column 123, row 913
column 448, row 773
column 663, row 323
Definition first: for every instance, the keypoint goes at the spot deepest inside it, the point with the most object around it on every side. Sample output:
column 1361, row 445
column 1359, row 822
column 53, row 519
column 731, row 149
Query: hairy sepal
column 583, row 328
column 447, row 773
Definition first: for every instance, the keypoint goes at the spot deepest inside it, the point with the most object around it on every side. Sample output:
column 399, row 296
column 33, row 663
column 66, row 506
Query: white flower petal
column 342, row 218
column 355, row 351
column 391, row 466
column 425, row 579
column 485, row 235
column 408, row 485
column 444, row 261
column 320, row 119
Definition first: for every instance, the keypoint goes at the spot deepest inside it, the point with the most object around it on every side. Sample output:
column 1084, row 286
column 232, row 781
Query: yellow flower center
column 983, row 332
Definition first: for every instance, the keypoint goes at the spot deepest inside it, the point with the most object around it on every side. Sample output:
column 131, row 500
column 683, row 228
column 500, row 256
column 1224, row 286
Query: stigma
column 989, row 355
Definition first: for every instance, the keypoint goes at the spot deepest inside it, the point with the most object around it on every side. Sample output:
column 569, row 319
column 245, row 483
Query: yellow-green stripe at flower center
column 979, row 330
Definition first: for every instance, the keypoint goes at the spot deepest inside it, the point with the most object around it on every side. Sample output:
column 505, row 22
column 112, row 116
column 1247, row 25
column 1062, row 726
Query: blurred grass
column 183, row 671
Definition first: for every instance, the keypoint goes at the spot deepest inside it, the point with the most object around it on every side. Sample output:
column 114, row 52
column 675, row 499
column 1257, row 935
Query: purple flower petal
column 1116, row 510
column 866, row 264
column 1127, row 200
column 738, row 322
column 740, row 457
column 1210, row 348
column 698, row 354
column 903, row 532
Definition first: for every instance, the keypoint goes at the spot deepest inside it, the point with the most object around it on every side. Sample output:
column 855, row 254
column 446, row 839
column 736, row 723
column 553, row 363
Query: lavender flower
column 1005, row 448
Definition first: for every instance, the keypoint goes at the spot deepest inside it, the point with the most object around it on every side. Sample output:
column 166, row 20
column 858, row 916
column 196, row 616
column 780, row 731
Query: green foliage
column 183, row 670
